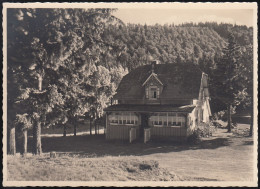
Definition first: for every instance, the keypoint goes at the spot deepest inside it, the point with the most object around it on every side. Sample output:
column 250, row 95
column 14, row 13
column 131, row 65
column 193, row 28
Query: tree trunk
column 37, row 145
column 251, row 123
column 37, row 138
column 12, row 146
column 64, row 130
column 75, row 129
column 229, row 118
column 40, row 82
column 90, row 127
column 24, row 150
column 95, row 122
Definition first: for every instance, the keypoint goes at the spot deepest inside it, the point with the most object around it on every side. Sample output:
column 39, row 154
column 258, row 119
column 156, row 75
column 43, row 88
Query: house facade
column 159, row 101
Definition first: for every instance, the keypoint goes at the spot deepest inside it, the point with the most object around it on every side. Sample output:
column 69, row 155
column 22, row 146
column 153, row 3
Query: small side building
column 168, row 100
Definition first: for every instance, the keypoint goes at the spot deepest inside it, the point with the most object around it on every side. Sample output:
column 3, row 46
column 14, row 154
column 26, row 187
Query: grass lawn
column 76, row 168
column 222, row 157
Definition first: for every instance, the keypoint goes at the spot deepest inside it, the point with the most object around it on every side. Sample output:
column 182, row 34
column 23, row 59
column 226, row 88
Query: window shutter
column 146, row 92
column 158, row 92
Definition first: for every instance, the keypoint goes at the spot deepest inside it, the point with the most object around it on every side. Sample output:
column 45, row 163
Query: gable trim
column 155, row 76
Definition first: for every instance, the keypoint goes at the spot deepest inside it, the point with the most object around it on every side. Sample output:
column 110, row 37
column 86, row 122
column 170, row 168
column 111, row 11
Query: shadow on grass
column 248, row 143
column 98, row 146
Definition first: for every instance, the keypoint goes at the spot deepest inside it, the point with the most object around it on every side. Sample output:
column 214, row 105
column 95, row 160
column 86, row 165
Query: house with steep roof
column 159, row 101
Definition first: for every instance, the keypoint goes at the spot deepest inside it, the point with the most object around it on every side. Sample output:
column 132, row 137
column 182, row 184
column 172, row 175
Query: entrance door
column 144, row 123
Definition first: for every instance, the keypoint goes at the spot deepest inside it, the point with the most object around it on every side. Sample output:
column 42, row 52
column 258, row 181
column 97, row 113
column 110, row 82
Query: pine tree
column 247, row 81
column 227, row 76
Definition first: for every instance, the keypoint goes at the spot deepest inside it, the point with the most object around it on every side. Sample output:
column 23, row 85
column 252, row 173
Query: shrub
column 205, row 129
column 195, row 137
column 222, row 115
column 145, row 166
column 216, row 124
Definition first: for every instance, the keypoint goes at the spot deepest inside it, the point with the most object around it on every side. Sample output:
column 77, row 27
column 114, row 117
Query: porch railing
column 169, row 131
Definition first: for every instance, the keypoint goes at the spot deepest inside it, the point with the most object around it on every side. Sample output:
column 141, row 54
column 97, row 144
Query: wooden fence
column 120, row 132
column 168, row 131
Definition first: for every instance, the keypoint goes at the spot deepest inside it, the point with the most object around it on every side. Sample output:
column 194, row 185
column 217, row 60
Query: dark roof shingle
column 180, row 81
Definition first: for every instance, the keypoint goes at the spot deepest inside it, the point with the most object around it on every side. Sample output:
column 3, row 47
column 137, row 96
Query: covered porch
column 148, row 121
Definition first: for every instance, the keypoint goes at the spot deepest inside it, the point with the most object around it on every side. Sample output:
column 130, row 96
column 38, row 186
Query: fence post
column 147, row 135
column 130, row 135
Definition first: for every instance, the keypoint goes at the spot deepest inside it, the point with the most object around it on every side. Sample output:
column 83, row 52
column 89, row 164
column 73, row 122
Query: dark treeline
column 197, row 43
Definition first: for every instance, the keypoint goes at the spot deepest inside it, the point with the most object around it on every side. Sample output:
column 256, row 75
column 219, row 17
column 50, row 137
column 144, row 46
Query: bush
column 195, row 137
column 216, row 124
column 204, row 132
column 222, row 115
column 206, row 129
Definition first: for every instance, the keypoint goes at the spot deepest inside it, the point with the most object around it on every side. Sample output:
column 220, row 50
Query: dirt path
column 224, row 156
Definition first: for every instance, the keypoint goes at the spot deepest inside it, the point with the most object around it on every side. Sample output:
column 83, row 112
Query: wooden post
column 130, row 135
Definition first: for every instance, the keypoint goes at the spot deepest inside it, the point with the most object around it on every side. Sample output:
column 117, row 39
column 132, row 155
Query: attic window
column 152, row 92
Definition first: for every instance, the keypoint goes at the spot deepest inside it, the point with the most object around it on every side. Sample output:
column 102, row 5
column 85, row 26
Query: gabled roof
column 180, row 81
column 150, row 108
column 152, row 75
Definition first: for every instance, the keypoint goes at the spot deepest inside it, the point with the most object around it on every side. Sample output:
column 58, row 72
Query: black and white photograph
column 130, row 94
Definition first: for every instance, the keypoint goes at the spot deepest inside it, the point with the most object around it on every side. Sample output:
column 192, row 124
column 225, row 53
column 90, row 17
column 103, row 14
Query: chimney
column 153, row 63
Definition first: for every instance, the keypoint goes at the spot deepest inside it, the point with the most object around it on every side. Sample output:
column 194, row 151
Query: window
column 125, row 118
column 172, row 119
column 114, row 118
column 168, row 119
column 152, row 92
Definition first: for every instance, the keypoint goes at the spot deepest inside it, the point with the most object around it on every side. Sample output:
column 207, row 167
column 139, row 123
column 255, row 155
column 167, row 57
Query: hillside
column 132, row 45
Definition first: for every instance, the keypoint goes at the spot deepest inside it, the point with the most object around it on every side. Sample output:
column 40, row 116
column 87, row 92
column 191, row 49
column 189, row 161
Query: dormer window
column 152, row 84
column 152, row 92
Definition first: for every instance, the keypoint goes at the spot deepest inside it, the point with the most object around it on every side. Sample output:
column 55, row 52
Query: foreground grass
column 77, row 168
column 222, row 157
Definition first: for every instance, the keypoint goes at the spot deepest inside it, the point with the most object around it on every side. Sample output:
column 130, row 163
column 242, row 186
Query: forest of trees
column 66, row 63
